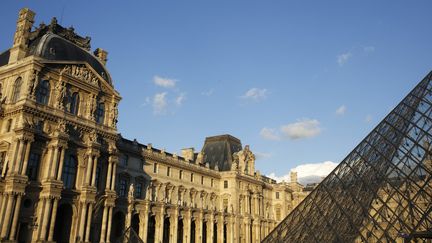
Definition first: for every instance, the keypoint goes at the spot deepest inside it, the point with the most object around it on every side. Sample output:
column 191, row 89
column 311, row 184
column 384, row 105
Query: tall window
column 168, row 171
column 202, row 180
column 225, row 184
column 155, row 168
column 192, row 177
column 181, row 174
column 100, row 113
column 138, row 190
column 33, row 165
column 42, row 92
column 212, row 182
column 17, row 90
column 74, row 103
column 69, row 172
column 122, row 187
column 277, row 195
column 124, row 160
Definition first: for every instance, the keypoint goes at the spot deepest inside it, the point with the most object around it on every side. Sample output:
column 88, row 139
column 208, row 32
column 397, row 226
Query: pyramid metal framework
column 382, row 191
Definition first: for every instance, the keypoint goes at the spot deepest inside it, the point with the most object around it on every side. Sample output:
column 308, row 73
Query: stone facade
column 68, row 176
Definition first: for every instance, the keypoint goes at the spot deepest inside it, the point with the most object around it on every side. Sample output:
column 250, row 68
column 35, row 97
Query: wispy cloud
column 180, row 99
column 343, row 58
column 369, row 49
column 303, row 128
column 164, row 82
column 341, row 110
column 269, row 134
column 160, row 103
column 208, row 92
column 260, row 155
column 368, row 118
column 255, row 94
column 308, row 172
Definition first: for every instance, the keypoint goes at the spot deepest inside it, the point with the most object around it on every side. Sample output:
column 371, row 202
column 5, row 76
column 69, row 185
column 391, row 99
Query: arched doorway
column 135, row 223
column 63, row 223
column 180, row 231
column 166, row 230
column 225, row 233
column 215, row 233
column 151, row 229
column 192, row 233
column 204, row 232
column 118, row 223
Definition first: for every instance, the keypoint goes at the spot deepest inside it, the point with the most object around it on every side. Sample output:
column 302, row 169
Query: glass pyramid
column 382, row 191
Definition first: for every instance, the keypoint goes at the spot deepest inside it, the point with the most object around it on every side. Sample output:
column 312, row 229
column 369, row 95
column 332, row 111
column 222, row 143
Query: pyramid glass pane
column 382, row 191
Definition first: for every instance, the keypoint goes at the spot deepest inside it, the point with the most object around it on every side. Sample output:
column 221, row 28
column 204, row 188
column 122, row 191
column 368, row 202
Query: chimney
column 102, row 55
column 293, row 176
column 21, row 37
column 188, row 153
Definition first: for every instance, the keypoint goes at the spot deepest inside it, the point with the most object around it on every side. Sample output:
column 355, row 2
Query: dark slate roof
column 219, row 150
column 4, row 58
column 55, row 48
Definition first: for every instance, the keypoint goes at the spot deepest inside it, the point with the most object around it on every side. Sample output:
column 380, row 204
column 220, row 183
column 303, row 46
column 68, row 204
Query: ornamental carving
column 82, row 73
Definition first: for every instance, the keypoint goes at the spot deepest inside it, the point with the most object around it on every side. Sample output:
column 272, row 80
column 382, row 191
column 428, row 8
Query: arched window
column 74, row 103
column 17, row 90
column 69, row 172
column 42, row 92
column 100, row 113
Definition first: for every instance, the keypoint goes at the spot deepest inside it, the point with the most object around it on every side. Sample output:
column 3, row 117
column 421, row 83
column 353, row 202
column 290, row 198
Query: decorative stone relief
column 82, row 73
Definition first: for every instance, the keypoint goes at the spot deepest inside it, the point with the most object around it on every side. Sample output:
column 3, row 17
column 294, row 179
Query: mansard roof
column 219, row 150
column 55, row 43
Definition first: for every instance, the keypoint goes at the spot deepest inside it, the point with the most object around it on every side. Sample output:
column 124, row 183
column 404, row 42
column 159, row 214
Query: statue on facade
column 61, row 93
column 131, row 192
column 33, row 83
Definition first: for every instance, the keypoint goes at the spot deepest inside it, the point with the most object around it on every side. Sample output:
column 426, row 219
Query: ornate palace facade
column 68, row 176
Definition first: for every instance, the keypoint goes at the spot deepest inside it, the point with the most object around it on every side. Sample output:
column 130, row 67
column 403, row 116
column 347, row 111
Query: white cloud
column 255, row 94
column 341, row 110
column 164, row 82
column 303, row 128
column 160, row 103
column 369, row 49
column 308, row 173
column 269, row 134
column 368, row 119
column 260, row 155
column 180, row 99
column 146, row 101
column 208, row 92
column 343, row 58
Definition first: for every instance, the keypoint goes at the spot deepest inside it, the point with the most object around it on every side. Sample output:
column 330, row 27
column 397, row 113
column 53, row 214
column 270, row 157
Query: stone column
column 113, row 176
column 45, row 218
column 143, row 216
column 89, row 169
column 247, row 232
column 108, row 235
column 61, row 162
column 26, row 158
column 89, row 220
column 7, row 216
column 108, row 178
column 256, row 233
column 104, row 224
column 95, row 161
column 15, row 217
column 186, row 225
column 210, row 225
column 53, row 220
column 230, row 229
column 198, row 226
column 159, row 217
column 82, row 221
column 220, row 228
column 173, row 212
column 17, row 162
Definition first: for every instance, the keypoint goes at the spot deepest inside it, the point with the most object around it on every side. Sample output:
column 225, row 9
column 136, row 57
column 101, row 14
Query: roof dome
column 53, row 47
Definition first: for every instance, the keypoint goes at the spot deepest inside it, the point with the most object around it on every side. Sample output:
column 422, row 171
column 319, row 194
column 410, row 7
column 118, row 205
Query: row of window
column 72, row 99
column 181, row 174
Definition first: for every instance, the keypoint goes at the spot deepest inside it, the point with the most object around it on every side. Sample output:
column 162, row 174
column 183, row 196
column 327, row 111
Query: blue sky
column 299, row 81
